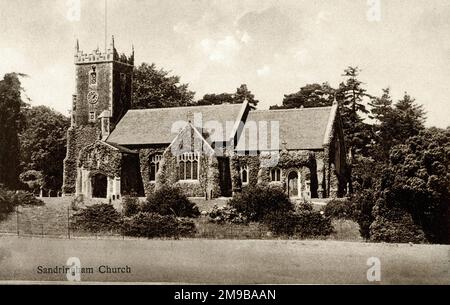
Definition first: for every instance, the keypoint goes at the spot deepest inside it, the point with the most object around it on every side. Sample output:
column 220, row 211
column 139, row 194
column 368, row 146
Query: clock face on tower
column 92, row 97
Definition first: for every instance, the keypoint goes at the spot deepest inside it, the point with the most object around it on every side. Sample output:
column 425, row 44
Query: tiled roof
column 303, row 128
column 155, row 126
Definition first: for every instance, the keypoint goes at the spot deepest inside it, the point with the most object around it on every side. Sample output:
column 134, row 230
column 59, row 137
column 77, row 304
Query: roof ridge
column 290, row 109
column 181, row 107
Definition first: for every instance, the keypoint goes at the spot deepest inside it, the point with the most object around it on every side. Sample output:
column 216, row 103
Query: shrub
column 10, row 199
column 362, row 206
column 25, row 198
column 151, row 225
column 131, row 206
column 6, row 204
column 226, row 214
column 339, row 209
column 170, row 201
column 97, row 218
column 303, row 223
column 77, row 202
column 396, row 226
column 255, row 202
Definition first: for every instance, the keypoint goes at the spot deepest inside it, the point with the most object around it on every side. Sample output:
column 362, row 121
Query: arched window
column 188, row 166
column 244, row 174
column 154, row 166
column 275, row 174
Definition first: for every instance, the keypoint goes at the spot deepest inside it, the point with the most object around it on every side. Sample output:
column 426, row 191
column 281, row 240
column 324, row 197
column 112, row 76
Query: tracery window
column 244, row 174
column 275, row 174
column 188, row 164
column 154, row 166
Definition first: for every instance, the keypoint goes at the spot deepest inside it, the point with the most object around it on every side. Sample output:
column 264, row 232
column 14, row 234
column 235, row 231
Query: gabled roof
column 156, row 126
column 304, row 128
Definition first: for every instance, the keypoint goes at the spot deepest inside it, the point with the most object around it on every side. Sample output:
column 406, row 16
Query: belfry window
column 93, row 76
column 188, row 166
column 244, row 174
column 275, row 174
column 154, row 166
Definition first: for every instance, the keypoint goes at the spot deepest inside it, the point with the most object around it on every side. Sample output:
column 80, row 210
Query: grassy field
column 225, row 261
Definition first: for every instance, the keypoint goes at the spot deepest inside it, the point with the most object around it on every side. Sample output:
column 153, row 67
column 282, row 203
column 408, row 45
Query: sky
column 273, row 46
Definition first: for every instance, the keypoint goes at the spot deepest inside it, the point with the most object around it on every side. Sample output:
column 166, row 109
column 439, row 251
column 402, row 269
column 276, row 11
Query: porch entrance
column 293, row 184
column 99, row 186
column 224, row 176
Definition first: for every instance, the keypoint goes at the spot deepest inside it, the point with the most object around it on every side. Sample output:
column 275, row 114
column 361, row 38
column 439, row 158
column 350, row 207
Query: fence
column 54, row 220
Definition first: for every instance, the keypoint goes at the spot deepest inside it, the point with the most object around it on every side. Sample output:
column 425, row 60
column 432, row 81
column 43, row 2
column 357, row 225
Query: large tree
column 10, row 125
column 43, row 146
column 242, row 93
column 394, row 123
column 310, row 95
column 155, row 88
column 414, row 193
column 351, row 95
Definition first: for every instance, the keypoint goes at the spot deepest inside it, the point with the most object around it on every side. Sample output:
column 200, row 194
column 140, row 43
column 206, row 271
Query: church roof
column 304, row 128
column 156, row 126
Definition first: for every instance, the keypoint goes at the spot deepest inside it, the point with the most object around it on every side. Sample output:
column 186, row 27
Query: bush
column 10, row 199
column 26, row 198
column 226, row 214
column 339, row 209
column 170, row 201
column 97, row 218
column 362, row 206
column 396, row 226
column 303, row 223
column 154, row 225
column 131, row 206
column 255, row 202
column 6, row 204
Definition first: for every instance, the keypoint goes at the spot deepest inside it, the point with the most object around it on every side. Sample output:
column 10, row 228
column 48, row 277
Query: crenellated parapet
column 97, row 56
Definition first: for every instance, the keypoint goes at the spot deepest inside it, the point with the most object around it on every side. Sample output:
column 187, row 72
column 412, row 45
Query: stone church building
column 208, row 151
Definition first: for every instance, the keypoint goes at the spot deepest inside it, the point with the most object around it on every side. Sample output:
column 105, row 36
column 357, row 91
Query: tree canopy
column 310, row 95
column 11, row 123
column 155, row 88
column 242, row 93
column 43, row 146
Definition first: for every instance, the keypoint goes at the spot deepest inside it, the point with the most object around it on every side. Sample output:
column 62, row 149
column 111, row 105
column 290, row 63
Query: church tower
column 103, row 84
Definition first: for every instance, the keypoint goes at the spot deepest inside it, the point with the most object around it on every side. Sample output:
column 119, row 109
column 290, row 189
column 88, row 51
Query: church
column 207, row 151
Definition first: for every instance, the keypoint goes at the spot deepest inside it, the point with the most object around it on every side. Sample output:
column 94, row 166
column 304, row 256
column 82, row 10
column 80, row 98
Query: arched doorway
column 293, row 184
column 99, row 185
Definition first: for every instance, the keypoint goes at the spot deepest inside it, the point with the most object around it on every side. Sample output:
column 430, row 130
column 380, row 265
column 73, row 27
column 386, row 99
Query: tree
column 216, row 99
column 350, row 96
column 311, row 95
column 414, row 189
column 382, row 112
column 154, row 88
column 43, row 146
column 394, row 124
column 242, row 93
column 10, row 125
column 408, row 119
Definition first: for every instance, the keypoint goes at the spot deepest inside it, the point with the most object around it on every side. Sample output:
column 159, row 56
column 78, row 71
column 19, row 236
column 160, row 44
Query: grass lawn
column 225, row 261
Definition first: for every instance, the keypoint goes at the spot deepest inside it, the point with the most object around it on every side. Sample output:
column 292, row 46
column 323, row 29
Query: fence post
column 17, row 220
column 68, row 222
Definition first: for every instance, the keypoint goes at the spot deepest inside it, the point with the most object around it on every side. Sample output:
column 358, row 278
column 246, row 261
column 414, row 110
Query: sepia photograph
column 225, row 142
